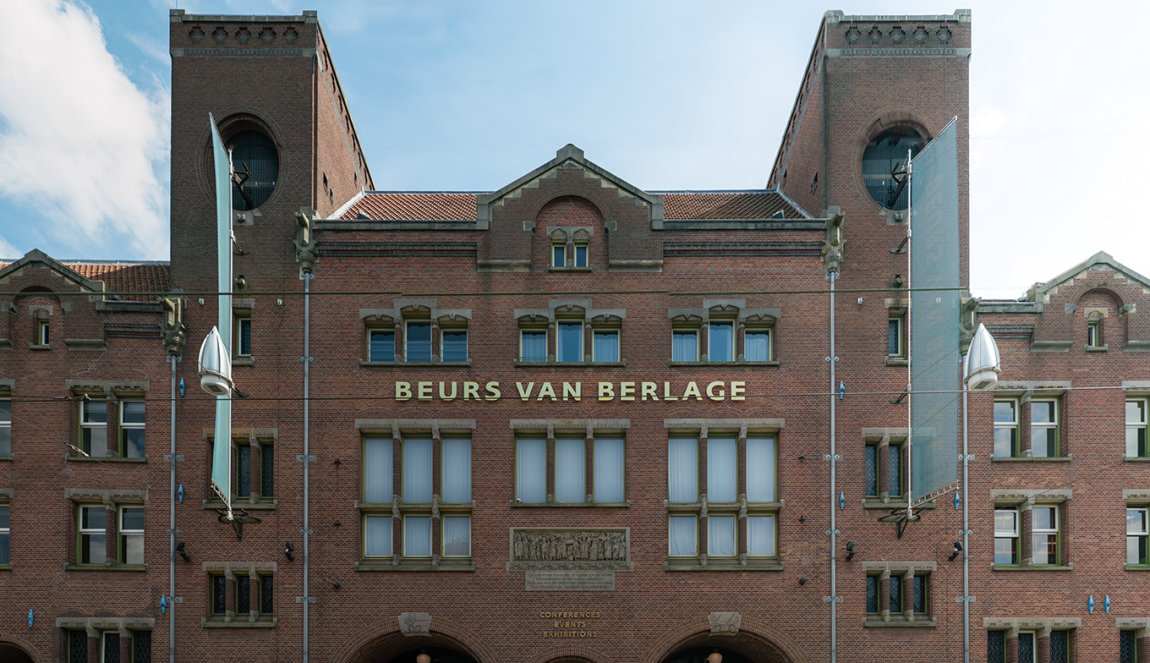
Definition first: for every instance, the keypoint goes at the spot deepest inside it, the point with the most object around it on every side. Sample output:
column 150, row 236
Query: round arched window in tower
column 256, row 164
column 884, row 165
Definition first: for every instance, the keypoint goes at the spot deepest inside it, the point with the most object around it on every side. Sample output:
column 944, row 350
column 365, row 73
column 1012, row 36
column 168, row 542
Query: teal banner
column 222, row 444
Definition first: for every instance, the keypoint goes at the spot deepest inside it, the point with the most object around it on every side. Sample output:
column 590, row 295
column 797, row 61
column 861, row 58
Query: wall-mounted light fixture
column 289, row 549
column 181, row 548
column 851, row 545
column 956, row 551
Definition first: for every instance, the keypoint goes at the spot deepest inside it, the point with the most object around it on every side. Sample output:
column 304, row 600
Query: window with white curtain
column 573, row 455
column 736, row 480
column 399, row 476
column 685, row 345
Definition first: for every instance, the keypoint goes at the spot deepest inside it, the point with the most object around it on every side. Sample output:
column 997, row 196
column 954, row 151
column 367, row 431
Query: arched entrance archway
column 743, row 647
column 398, row 648
column 10, row 653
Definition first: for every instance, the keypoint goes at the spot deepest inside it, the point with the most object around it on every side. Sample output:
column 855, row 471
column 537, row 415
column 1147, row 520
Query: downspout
column 832, row 258
column 832, row 457
column 965, row 520
column 306, row 458
column 172, row 518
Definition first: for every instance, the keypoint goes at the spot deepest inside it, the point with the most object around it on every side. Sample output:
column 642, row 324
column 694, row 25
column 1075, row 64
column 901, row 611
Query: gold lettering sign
column 627, row 391
column 569, row 624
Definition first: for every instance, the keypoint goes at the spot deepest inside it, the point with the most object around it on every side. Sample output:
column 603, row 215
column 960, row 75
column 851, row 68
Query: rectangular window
column 253, row 469
column 417, row 342
column 1136, row 535
column 895, row 335
column 1044, row 428
column 1060, row 647
column 1006, row 548
column 218, row 587
column 920, row 592
column 1128, row 647
column 5, row 535
column 1027, row 647
column 892, row 482
column 141, row 647
column 531, row 470
column 43, row 333
column 533, row 345
column 558, row 255
column 242, row 471
column 132, row 429
column 721, row 341
column 243, row 594
column 5, row 427
column 430, row 472
column 242, row 341
column 740, row 489
column 895, row 598
column 1045, row 535
column 131, row 535
column 93, row 535
column 568, row 480
column 570, row 346
column 873, row 594
column 417, row 470
column 608, row 467
column 77, row 643
column 454, row 344
column 381, row 345
column 685, row 345
column 457, row 536
column 996, row 646
column 1135, row 428
column 1093, row 333
column 94, row 428
column 109, row 647
column 1006, row 429
column 267, row 596
column 254, row 594
column 605, row 346
column 581, row 255
column 267, row 471
column 682, row 536
column 570, row 470
column 758, row 345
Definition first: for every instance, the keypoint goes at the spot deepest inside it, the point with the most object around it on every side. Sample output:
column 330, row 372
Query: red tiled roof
column 120, row 277
column 708, row 205
column 379, row 206
column 124, row 278
column 677, row 205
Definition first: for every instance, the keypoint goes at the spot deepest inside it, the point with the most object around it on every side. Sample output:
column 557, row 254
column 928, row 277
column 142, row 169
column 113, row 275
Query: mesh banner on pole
column 934, row 314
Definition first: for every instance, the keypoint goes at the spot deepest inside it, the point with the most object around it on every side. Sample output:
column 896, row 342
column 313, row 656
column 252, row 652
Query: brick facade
column 453, row 338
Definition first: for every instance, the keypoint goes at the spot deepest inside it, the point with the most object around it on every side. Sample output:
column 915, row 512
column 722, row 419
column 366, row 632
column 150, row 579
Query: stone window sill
column 570, row 364
column 1032, row 459
column 465, row 564
column 106, row 459
column 1136, row 567
column 366, row 363
column 243, row 361
column 725, row 564
column 107, row 567
column 257, row 504
column 899, row 622
column 569, row 505
column 239, row 622
column 897, row 361
column 1032, row 567
column 677, row 364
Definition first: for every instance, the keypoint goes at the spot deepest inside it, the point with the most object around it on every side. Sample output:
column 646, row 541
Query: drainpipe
column 965, row 520
column 306, row 458
column 832, row 458
column 172, row 519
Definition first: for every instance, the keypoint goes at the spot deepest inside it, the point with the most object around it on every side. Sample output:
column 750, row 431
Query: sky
column 456, row 95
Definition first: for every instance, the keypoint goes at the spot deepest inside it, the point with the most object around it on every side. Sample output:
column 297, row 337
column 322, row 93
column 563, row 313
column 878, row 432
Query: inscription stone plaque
column 570, row 580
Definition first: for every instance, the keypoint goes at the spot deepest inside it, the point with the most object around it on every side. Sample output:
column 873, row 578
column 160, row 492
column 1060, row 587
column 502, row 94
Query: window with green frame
column 1006, row 428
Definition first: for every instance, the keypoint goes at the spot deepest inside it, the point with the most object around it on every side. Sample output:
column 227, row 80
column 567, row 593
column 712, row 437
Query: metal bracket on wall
column 309, row 458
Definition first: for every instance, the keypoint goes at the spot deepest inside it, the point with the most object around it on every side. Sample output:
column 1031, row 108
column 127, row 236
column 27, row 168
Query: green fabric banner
column 222, row 445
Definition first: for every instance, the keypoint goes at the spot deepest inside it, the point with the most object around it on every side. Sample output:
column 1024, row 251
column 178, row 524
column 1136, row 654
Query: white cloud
column 8, row 250
column 79, row 138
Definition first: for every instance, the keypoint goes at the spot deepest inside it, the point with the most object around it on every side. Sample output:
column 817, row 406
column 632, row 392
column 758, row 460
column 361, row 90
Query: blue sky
column 668, row 94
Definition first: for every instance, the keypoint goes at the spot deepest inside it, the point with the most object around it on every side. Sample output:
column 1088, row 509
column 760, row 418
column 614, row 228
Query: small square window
column 569, row 348
column 417, row 536
column 132, row 429
column 131, row 550
column 682, row 536
column 685, row 345
column 721, row 342
column 457, row 536
column 581, row 256
column 605, row 346
column 1137, row 531
column 381, row 345
column 377, row 531
column 242, row 341
column 533, row 345
column 5, row 427
column 454, row 345
column 417, row 342
column 1135, row 428
column 758, row 345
